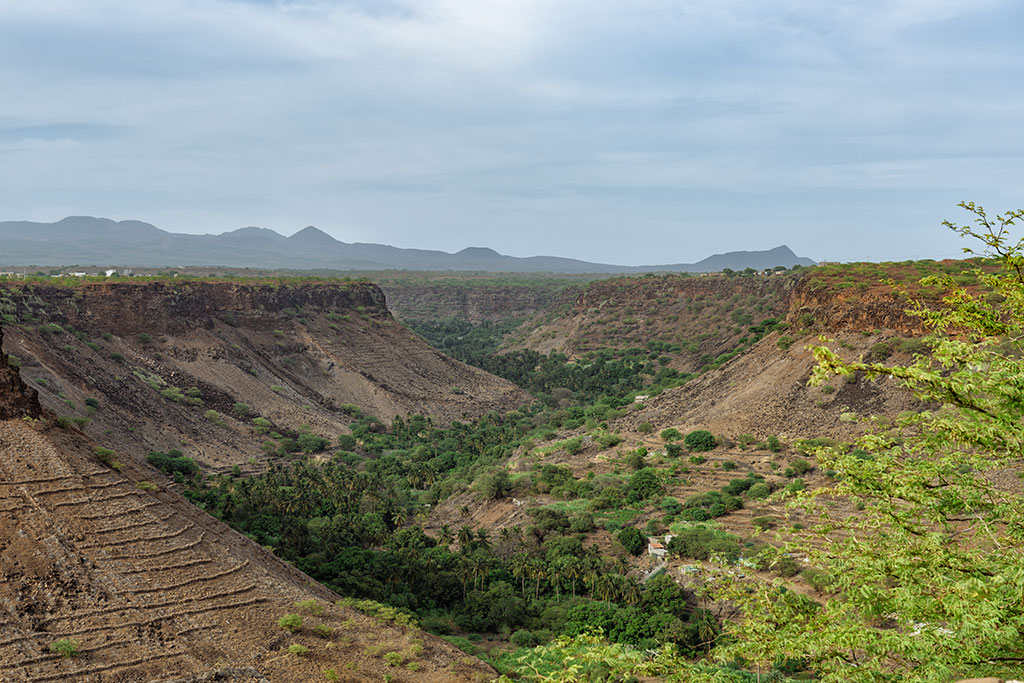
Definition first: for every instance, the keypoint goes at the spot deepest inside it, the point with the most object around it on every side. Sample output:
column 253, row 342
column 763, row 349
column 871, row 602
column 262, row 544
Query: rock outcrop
column 16, row 399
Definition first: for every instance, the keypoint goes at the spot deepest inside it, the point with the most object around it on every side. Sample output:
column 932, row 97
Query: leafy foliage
column 928, row 576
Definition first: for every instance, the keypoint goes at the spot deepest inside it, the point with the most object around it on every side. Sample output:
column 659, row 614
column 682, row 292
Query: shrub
column 173, row 462
column 311, row 606
column 291, row 622
column 524, row 638
column 173, row 394
column 311, row 443
column 631, row 540
column 297, row 649
column 240, row 409
column 763, row 522
column 784, row 342
column 700, row 440
column 698, row 459
column 645, row 428
column 759, row 491
column 322, row 630
column 880, row 351
column 797, row 468
column 728, row 465
column 262, row 425
column 92, row 403
column 673, row 450
column 394, row 658
column 65, row 647
column 671, row 434
column 787, row 567
column 773, row 443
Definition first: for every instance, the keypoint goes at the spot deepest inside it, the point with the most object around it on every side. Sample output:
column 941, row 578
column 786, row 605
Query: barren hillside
column 144, row 366
column 139, row 585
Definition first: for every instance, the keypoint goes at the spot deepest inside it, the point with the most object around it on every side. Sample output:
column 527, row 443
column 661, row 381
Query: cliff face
column 866, row 309
column 16, row 399
column 167, row 307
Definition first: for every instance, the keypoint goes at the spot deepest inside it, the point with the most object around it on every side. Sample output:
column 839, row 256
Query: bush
column 773, row 443
column 797, row 468
column 297, row 649
column 65, row 647
column 698, row 459
column 784, row 342
column 172, row 462
column 880, row 351
column 728, row 465
column 645, row 428
column 787, row 567
column 311, row 443
column 671, row 434
column 700, row 440
column 240, row 409
column 291, row 622
column 673, row 450
column 759, row 491
column 524, row 638
column 631, row 540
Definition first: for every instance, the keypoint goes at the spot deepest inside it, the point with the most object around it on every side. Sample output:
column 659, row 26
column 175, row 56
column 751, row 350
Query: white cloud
column 470, row 119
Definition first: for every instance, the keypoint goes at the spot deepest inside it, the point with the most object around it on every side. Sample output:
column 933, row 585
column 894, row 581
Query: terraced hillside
column 107, row 577
column 161, row 365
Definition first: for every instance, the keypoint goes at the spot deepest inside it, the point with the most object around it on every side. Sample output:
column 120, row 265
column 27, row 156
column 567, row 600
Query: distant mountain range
column 84, row 240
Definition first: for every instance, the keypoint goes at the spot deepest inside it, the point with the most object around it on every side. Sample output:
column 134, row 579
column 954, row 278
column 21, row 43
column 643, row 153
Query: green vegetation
column 65, row 647
column 173, row 462
column 700, row 440
column 927, row 575
column 291, row 622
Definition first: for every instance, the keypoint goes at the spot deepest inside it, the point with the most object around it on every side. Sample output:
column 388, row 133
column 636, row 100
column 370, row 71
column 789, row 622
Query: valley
column 249, row 449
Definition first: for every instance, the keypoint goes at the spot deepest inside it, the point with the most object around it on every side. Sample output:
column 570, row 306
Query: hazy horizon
column 609, row 132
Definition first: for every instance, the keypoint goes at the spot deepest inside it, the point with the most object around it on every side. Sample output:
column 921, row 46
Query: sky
column 617, row 131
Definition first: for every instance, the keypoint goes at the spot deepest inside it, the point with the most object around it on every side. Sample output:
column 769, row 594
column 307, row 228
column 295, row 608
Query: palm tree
column 519, row 566
column 465, row 538
column 445, row 536
column 630, row 590
column 573, row 569
column 537, row 572
column 481, row 536
column 464, row 572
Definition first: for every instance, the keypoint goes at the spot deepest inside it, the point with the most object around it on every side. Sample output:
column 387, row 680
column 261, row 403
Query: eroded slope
column 158, row 365
column 144, row 586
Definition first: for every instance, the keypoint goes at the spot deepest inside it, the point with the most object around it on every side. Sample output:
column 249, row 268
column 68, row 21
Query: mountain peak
column 477, row 251
column 312, row 234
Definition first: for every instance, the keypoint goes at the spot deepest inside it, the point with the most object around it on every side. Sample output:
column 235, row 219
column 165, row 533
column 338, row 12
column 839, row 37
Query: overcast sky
column 620, row 131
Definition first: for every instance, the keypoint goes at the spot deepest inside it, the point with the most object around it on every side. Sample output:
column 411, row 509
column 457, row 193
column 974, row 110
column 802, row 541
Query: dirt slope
column 764, row 391
column 151, row 588
column 164, row 363
column 706, row 316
